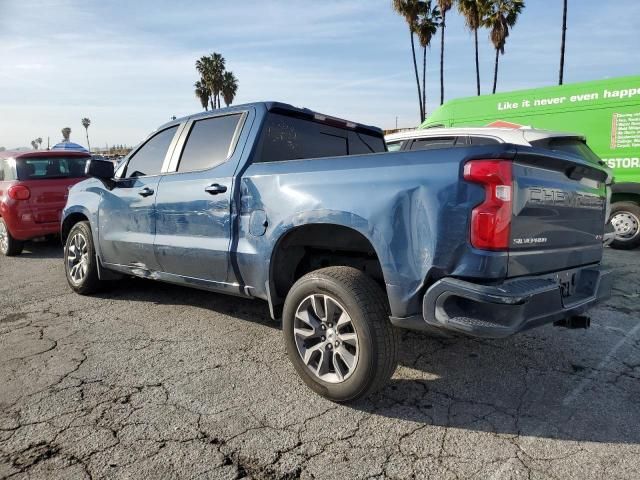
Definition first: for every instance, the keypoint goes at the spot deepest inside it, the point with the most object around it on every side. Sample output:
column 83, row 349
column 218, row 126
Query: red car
column 33, row 191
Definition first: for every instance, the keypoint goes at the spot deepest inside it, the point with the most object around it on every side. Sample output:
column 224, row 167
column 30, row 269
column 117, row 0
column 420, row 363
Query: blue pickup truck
column 343, row 239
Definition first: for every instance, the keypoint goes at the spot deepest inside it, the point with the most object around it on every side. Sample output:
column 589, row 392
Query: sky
column 129, row 65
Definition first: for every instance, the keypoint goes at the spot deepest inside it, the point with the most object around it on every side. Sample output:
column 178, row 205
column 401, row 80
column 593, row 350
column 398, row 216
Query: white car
column 421, row 139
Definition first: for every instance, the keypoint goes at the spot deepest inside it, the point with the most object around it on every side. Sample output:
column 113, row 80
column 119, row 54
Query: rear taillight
column 491, row 220
column 19, row 192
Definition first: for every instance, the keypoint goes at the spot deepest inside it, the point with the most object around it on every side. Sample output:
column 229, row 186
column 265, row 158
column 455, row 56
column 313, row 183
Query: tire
column 80, row 264
column 9, row 246
column 625, row 218
column 339, row 367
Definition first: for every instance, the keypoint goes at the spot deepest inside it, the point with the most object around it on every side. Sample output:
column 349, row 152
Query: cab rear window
column 52, row 167
column 289, row 138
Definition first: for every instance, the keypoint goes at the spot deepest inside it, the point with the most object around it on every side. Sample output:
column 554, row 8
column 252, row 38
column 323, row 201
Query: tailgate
column 48, row 198
column 558, row 220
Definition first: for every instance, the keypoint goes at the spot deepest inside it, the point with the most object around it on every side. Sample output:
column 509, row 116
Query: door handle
column 215, row 189
column 145, row 192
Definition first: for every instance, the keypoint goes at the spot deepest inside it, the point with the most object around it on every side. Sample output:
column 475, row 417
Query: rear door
column 127, row 216
column 559, row 204
column 193, row 206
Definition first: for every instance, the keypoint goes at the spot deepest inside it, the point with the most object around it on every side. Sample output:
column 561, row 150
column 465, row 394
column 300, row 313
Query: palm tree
column 564, row 34
column 217, row 72
column 39, row 141
column 444, row 6
column 229, row 87
column 211, row 69
column 66, row 133
column 202, row 92
column 473, row 12
column 501, row 16
column 203, row 66
column 426, row 29
column 85, row 123
column 410, row 10
column 34, row 144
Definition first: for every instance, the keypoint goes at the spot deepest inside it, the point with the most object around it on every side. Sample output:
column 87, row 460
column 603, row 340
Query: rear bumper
column 22, row 227
column 36, row 230
column 496, row 311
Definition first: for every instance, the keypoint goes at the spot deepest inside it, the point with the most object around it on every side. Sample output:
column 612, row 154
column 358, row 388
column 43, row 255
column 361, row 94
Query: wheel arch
column 68, row 223
column 625, row 192
column 306, row 247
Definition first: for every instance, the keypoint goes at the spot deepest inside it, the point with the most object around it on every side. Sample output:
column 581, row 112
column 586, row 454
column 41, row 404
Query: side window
column 484, row 141
column 6, row 172
column 208, row 143
column 394, row 146
column 149, row 158
column 433, row 142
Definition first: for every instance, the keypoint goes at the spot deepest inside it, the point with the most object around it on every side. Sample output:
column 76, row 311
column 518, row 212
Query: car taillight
column 19, row 192
column 491, row 220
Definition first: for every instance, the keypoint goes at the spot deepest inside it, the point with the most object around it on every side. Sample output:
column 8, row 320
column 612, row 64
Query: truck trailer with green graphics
column 605, row 112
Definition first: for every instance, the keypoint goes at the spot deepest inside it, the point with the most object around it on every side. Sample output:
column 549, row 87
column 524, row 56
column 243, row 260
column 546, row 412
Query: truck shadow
column 160, row 293
column 42, row 249
column 545, row 383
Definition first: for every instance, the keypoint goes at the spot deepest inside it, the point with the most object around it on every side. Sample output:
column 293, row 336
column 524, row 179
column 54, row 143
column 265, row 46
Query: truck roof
column 287, row 109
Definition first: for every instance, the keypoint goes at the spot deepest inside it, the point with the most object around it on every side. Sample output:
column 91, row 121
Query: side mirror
column 100, row 169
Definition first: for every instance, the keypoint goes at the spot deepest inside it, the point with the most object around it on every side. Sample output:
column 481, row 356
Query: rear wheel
column 338, row 334
column 9, row 246
column 80, row 260
column 625, row 219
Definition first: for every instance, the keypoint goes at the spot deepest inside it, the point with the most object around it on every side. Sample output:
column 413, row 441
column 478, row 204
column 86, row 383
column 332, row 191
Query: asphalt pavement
column 150, row 380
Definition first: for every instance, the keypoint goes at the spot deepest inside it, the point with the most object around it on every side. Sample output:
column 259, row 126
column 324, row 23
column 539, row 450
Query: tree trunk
column 477, row 62
column 88, row 144
column 424, row 83
column 211, row 101
column 444, row 16
column 495, row 71
column 415, row 69
column 564, row 34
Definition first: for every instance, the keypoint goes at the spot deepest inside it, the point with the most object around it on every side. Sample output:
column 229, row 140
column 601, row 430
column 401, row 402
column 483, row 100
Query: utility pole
column 396, row 122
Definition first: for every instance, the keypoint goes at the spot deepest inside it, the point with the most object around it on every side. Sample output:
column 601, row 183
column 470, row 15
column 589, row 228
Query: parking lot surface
column 150, row 380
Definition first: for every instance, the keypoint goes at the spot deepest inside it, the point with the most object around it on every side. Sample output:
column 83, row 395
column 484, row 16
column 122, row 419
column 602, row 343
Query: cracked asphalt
column 156, row 381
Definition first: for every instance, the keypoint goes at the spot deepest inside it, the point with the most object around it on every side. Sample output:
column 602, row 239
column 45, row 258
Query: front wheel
column 338, row 334
column 625, row 219
column 9, row 246
column 80, row 260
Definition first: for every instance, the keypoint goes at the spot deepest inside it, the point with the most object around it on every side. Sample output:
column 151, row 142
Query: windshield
column 39, row 168
column 572, row 145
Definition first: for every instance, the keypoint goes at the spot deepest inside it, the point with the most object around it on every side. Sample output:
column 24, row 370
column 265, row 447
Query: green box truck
column 606, row 112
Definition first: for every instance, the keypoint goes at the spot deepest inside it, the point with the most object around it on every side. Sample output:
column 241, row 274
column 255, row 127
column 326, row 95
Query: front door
column 193, row 206
column 127, row 216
